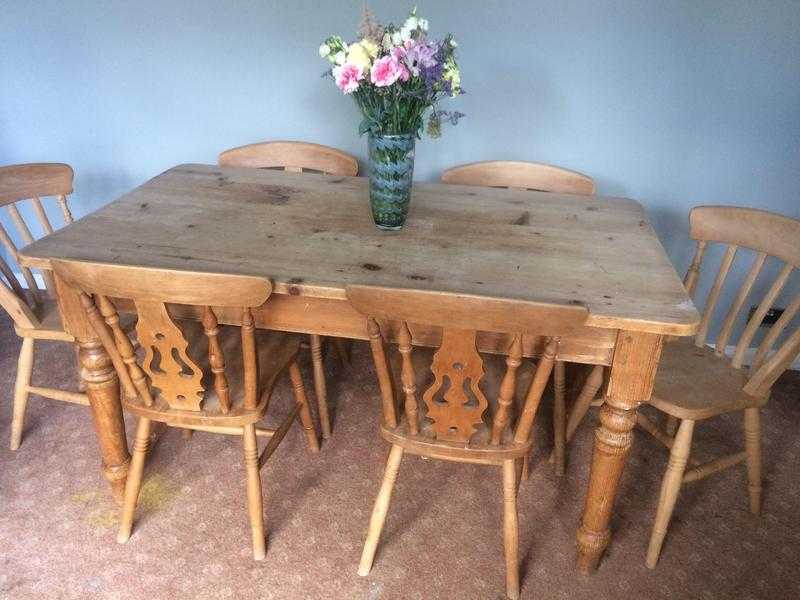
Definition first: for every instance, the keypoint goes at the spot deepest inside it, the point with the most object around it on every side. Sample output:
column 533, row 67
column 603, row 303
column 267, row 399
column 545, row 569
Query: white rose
column 397, row 39
column 405, row 34
column 340, row 57
column 324, row 51
column 411, row 23
column 423, row 24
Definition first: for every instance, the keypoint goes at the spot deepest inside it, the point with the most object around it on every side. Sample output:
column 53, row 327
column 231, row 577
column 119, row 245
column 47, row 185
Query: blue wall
column 671, row 103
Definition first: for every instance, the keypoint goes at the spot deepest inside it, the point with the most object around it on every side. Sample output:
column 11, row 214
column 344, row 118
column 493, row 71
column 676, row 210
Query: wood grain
column 291, row 156
column 520, row 174
column 599, row 252
column 18, row 182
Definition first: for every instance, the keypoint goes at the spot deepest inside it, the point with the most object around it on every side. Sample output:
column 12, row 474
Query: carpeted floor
column 443, row 535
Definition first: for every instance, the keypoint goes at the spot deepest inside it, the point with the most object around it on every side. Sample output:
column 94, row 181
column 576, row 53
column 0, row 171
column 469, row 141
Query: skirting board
column 748, row 357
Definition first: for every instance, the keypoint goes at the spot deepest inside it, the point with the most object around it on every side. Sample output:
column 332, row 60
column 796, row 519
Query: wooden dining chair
column 33, row 310
column 457, row 420
column 542, row 178
column 195, row 375
column 300, row 157
column 696, row 382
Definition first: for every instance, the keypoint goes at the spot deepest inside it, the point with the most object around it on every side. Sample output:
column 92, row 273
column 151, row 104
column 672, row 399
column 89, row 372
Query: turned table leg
column 102, row 388
column 631, row 383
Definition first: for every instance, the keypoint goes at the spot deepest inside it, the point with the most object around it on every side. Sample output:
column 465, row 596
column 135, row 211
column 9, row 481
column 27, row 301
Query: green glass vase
column 391, row 170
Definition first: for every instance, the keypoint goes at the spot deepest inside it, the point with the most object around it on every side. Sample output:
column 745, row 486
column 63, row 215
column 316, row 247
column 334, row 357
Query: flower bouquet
column 395, row 75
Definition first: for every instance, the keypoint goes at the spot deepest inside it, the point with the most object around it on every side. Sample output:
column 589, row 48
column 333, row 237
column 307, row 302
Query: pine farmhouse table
column 312, row 235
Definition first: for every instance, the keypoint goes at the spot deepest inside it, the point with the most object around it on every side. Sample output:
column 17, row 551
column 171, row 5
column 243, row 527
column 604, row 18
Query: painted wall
column 671, row 103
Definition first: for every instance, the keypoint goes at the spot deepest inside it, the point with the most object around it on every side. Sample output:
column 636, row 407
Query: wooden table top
column 313, row 235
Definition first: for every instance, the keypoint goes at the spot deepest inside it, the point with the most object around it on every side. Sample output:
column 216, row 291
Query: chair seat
column 275, row 351
column 694, row 383
column 50, row 326
column 478, row 449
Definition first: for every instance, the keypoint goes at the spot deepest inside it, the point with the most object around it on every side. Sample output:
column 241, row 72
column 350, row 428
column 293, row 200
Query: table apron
column 334, row 317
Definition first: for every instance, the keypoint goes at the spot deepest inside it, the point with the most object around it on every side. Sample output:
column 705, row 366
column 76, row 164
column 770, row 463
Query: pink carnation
column 347, row 77
column 387, row 70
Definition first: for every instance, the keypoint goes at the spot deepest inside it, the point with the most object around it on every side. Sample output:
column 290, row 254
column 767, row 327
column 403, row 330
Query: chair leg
column 518, row 466
column 584, row 400
column 320, row 388
column 752, row 444
column 134, row 482
column 305, row 413
column 510, row 530
column 255, row 502
column 24, row 370
column 579, row 408
column 341, row 351
column 559, row 416
column 671, row 426
column 380, row 509
column 670, row 487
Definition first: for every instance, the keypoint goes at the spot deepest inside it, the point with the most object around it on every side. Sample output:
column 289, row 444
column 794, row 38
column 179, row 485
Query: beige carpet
column 443, row 534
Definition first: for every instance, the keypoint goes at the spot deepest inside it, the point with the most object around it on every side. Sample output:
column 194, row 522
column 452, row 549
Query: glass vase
column 391, row 170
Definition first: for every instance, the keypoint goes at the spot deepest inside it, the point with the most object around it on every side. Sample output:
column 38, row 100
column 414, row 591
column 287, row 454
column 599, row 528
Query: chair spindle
column 125, row 348
column 384, row 375
column 250, row 360
column 62, row 202
column 741, row 297
column 507, row 387
column 713, row 296
column 408, row 379
column 774, row 332
column 755, row 321
column 42, row 215
column 26, row 272
column 101, row 327
column 693, row 273
column 216, row 359
column 13, row 282
column 534, row 396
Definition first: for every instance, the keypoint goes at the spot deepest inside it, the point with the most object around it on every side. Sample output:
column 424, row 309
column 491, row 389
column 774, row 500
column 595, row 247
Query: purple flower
column 432, row 75
column 421, row 55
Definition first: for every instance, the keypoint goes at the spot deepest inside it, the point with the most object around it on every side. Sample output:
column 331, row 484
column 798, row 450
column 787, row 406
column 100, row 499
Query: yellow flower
column 358, row 55
column 453, row 75
column 370, row 46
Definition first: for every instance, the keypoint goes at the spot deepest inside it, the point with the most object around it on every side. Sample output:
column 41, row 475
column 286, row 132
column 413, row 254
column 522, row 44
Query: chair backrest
column 19, row 183
column 521, row 175
column 765, row 235
column 454, row 401
column 291, row 156
column 167, row 378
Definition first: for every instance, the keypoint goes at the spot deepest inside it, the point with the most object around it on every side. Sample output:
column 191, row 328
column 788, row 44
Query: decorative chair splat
column 456, row 366
column 177, row 377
